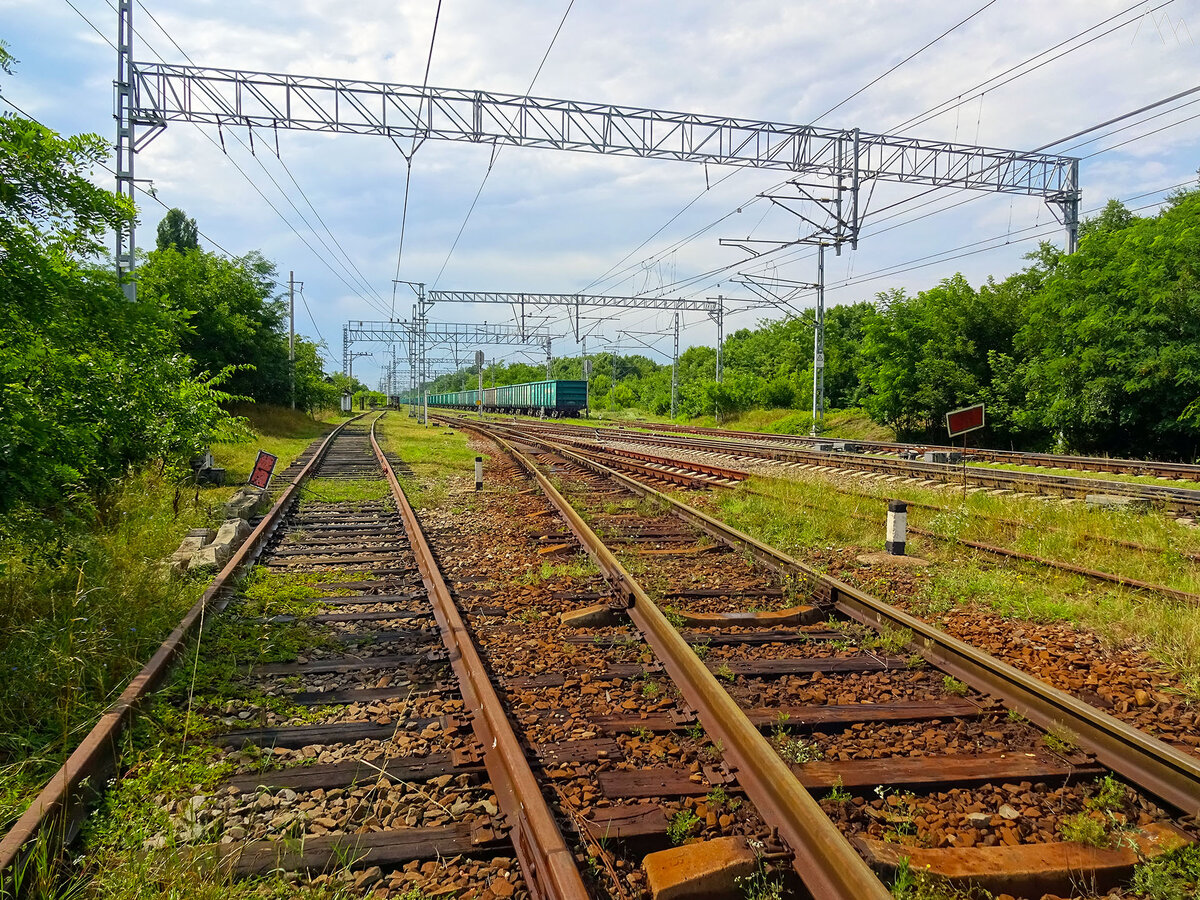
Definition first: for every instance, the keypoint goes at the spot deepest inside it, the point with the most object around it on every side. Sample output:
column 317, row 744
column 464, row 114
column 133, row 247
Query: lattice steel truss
column 164, row 92
column 575, row 304
column 418, row 336
column 155, row 94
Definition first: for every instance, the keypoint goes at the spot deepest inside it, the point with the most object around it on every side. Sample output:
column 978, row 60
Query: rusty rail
column 58, row 811
column 822, row 857
column 1155, row 766
column 546, row 862
column 1184, row 500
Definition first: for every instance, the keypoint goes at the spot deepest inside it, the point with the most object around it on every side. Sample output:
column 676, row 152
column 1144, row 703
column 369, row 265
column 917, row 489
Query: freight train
column 550, row 398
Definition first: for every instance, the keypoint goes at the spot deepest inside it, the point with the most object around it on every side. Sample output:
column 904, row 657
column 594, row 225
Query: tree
column 90, row 384
column 1112, row 338
column 229, row 315
column 178, row 231
column 923, row 356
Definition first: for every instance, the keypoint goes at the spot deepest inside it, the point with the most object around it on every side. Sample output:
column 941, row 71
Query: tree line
column 1094, row 352
column 91, row 384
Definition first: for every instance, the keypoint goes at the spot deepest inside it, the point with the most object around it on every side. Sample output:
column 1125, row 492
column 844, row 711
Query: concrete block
column 708, row 869
column 245, row 504
column 194, row 540
column 936, row 456
column 233, row 533
column 213, row 556
column 590, row 616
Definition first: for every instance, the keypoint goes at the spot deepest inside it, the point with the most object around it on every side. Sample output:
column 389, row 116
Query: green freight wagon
column 550, row 398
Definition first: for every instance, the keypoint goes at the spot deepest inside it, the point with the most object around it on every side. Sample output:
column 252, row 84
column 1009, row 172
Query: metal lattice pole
column 675, row 372
column 125, row 147
column 818, row 399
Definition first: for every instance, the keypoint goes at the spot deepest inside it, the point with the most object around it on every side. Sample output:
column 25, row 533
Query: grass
column 814, row 514
column 1084, row 828
column 439, row 461
column 681, row 826
column 840, row 423
column 346, row 490
column 84, row 604
column 133, row 845
column 796, row 750
column 580, row 567
column 1172, row 876
column 279, row 430
column 1060, row 739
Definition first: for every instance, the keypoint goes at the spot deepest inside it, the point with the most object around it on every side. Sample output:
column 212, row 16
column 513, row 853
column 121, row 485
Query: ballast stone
column 702, row 869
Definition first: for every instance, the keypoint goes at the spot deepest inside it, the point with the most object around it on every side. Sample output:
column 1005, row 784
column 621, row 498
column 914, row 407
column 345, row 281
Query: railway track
column 683, row 469
column 1113, row 465
column 1183, row 501
column 752, row 646
column 464, row 727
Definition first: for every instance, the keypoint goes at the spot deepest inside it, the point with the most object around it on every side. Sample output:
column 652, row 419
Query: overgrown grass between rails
column 808, row 515
column 344, row 490
column 83, row 605
column 440, row 462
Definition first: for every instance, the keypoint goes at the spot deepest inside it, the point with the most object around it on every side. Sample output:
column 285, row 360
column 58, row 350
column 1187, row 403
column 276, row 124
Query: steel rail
column 1115, row 465
column 1172, row 776
column 822, row 856
column 546, row 862
column 692, row 465
column 1182, row 499
column 61, row 806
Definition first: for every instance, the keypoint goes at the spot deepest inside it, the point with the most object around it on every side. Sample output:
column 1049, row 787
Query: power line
column 937, row 110
column 356, row 273
column 910, row 56
column 954, row 102
column 408, row 161
column 1115, row 119
column 496, row 149
column 103, row 36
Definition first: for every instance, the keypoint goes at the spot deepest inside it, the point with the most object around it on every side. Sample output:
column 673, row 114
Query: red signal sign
column 969, row 418
column 264, row 466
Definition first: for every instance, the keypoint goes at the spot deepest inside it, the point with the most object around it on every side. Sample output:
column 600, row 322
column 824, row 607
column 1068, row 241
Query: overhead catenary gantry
column 575, row 304
column 420, row 336
column 155, row 94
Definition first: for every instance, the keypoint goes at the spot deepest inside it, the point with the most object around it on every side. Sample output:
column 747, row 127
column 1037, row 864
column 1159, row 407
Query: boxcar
column 550, row 398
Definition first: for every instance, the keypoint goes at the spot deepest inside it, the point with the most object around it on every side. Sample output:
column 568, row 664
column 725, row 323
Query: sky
column 1014, row 74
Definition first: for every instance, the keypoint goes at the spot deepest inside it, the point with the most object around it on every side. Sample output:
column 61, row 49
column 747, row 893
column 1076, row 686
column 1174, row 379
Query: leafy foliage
column 89, row 383
column 178, row 231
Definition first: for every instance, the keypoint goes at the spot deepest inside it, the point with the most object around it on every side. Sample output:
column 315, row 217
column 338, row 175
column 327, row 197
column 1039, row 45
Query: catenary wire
column 409, row 159
column 496, row 150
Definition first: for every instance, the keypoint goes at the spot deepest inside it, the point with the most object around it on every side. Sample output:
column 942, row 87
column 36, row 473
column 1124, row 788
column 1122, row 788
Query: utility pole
column 479, row 359
column 818, row 400
column 126, row 145
column 587, row 379
column 292, row 333
column 675, row 372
